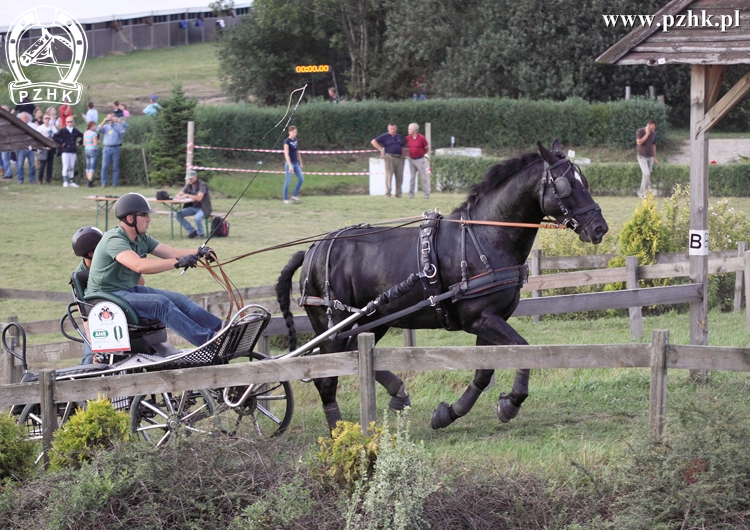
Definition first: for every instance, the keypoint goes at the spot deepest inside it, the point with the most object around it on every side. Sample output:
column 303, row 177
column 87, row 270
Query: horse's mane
column 498, row 174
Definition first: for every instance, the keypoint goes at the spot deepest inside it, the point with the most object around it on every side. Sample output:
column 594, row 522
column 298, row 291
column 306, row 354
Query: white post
column 190, row 146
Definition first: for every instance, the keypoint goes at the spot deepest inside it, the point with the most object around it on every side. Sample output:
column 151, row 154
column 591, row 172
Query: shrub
column 403, row 478
column 98, row 427
column 16, row 454
column 340, row 454
column 697, row 477
column 290, row 501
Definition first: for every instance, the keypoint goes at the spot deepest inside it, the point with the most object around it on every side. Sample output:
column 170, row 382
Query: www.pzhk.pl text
column 699, row 19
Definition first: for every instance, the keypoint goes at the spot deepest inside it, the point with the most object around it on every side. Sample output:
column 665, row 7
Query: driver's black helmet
column 85, row 240
column 131, row 203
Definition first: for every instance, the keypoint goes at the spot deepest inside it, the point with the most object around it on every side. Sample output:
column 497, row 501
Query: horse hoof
column 441, row 416
column 505, row 408
column 397, row 404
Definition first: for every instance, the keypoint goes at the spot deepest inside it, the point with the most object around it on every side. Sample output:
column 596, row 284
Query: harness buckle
column 425, row 247
column 572, row 222
column 433, row 302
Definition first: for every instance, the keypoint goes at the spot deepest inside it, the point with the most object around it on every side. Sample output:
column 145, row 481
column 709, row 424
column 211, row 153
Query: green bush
column 393, row 498
column 697, row 477
column 98, row 427
column 459, row 173
column 341, row 454
column 16, row 454
column 169, row 138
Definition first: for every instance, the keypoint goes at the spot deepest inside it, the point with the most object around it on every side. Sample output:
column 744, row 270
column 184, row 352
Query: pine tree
column 170, row 137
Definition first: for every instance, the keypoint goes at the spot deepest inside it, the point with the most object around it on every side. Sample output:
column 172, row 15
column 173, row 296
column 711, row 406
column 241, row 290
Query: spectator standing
column 53, row 120
column 91, row 114
column 46, row 156
column 333, row 97
column 5, row 158
column 153, row 108
column 25, row 106
column 116, row 110
column 645, row 138
column 38, row 117
column 90, row 151
column 293, row 163
column 111, row 128
column 418, row 148
column 25, row 154
column 69, row 138
column 391, row 147
column 197, row 191
column 66, row 111
column 125, row 111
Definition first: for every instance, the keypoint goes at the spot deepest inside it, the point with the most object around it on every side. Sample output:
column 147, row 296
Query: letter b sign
column 698, row 243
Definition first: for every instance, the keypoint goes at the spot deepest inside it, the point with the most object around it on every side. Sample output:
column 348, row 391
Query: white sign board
column 108, row 327
column 698, row 243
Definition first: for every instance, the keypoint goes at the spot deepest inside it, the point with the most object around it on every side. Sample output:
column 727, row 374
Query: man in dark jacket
column 69, row 139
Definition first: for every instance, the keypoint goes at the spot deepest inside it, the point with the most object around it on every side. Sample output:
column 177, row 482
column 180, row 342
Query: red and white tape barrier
column 281, row 151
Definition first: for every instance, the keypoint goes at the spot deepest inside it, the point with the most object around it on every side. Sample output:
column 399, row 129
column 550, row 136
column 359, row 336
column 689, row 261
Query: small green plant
column 403, row 478
column 98, row 427
column 278, row 508
column 16, row 454
column 341, row 453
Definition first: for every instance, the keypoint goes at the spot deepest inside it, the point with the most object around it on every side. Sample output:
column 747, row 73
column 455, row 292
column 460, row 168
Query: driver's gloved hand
column 207, row 253
column 186, row 261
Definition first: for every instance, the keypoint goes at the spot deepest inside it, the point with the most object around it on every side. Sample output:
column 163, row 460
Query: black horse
column 481, row 275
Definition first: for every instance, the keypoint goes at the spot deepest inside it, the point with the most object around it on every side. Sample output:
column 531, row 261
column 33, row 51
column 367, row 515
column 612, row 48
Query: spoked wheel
column 158, row 418
column 268, row 408
column 30, row 419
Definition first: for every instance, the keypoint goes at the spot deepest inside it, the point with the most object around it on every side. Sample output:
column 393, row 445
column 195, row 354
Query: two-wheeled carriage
column 159, row 417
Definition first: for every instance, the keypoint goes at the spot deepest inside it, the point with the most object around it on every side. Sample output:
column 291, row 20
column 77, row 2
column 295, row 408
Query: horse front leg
column 446, row 414
column 327, row 390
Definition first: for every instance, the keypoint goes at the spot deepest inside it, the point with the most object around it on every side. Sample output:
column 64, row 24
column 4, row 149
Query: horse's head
column 564, row 195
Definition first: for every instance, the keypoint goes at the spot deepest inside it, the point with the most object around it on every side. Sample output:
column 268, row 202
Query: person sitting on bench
column 122, row 257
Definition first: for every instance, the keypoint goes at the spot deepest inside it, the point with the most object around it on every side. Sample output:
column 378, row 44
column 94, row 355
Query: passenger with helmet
column 122, row 257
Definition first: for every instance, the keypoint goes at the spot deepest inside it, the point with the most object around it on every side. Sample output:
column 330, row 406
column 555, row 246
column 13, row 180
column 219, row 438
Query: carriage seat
column 79, row 281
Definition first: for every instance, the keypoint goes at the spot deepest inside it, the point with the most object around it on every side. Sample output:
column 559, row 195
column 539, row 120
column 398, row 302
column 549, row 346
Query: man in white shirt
column 91, row 115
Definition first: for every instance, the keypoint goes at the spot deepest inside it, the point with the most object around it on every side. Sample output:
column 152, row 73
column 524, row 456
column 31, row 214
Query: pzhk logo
column 51, row 39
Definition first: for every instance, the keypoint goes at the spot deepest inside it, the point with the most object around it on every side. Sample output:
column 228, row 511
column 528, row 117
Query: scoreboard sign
column 312, row 68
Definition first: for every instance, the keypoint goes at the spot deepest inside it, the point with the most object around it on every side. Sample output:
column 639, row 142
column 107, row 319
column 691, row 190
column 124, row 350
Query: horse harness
column 561, row 189
column 490, row 281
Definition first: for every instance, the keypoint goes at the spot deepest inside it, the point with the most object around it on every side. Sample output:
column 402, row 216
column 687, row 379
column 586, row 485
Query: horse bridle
column 560, row 190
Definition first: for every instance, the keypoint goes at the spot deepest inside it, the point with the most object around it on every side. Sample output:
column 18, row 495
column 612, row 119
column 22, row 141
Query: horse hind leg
column 327, row 391
column 446, row 414
column 509, row 404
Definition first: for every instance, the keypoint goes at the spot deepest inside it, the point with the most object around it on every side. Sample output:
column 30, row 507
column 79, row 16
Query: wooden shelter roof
column 699, row 44
column 15, row 134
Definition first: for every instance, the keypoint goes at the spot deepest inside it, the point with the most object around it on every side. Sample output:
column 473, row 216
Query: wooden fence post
column 747, row 286
column 410, row 338
column 367, row 407
column 636, row 320
column 657, row 406
column 738, row 283
column 536, row 270
column 11, row 372
column 264, row 344
column 48, row 411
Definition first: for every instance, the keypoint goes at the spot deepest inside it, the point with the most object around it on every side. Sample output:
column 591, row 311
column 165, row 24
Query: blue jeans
column 21, row 156
column 88, row 355
column 5, row 162
column 187, row 212
column 178, row 312
column 288, row 179
column 111, row 155
column 91, row 156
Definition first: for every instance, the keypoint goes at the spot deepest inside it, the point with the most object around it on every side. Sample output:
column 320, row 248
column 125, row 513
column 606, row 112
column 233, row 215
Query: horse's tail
column 283, row 295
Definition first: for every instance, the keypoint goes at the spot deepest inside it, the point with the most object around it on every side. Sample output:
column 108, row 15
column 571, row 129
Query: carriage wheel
column 158, row 418
column 269, row 408
column 30, row 419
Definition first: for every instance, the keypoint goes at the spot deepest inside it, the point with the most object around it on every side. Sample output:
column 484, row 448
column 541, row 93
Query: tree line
column 381, row 49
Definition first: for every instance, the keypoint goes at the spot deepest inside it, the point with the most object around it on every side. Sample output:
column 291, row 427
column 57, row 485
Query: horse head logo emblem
column 47, row 37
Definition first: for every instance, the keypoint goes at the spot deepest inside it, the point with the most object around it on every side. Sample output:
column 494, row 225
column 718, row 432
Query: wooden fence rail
column 659, row 356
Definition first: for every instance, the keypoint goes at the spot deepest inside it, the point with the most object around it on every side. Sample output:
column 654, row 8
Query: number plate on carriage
column 109, row 328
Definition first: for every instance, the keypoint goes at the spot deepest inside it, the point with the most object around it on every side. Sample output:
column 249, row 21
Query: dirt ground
column 723, row 151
